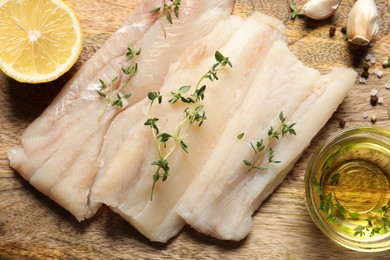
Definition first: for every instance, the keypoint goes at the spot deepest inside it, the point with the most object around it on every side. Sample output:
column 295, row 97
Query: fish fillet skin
column 222, row 198
column 125, row 183
column 59, row 150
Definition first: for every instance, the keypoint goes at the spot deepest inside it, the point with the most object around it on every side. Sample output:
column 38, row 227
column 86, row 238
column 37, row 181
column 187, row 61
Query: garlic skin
column 362, row 22
column 320, row 9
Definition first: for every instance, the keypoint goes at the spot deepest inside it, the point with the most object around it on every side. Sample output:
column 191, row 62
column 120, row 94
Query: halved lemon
column 39, row 39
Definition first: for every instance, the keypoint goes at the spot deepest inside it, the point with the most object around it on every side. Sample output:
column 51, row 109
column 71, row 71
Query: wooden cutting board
column 32, row 226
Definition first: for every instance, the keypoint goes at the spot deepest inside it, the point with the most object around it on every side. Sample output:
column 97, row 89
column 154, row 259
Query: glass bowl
column 347, row 188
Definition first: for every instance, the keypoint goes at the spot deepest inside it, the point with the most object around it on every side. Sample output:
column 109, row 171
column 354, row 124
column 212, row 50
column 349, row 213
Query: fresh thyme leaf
column 176, row 11
column 374, row 225
column 262, row 147
column 359, row 231
column 169, row 17
column 184, row 146
column 155, row 10
column 293, row 8
column 247, row 163
column 184, row 89
column 108, row 91
column 101, row 94
column 194, row 113
column 164, row 137
column 152, row 122
column 354, row 214
column 388, row 113
column 335, row 178
column 294, row 12
column 281, row 117
column 341, row 209
column 166, row 10
column 240, row 136
column 130, row 70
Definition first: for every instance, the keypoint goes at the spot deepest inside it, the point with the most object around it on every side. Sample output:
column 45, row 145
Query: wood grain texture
column 32, row 226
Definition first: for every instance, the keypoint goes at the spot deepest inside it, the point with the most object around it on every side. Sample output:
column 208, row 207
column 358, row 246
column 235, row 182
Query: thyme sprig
column 107, row 90
column 166, row 11
column 333, row 209
column 295, row 12
column 262, row 148
column 194, row 113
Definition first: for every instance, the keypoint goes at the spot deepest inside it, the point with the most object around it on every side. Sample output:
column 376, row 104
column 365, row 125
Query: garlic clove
column 320, row 9
column 362, row 22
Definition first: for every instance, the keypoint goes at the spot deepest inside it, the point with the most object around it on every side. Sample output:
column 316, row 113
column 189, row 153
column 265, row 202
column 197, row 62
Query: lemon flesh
column 39, row 39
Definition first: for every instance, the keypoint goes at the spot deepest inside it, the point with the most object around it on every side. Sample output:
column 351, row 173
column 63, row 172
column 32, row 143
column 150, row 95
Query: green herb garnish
column 194, row 113
column 294, row 12
column 108, row 91
column 333, row 209
column 166, row 11
column 261, row 147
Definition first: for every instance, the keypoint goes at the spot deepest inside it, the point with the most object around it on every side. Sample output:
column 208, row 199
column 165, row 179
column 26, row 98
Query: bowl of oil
column 347, row 188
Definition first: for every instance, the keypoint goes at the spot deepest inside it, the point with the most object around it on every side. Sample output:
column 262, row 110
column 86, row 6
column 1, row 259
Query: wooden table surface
column 32, row 226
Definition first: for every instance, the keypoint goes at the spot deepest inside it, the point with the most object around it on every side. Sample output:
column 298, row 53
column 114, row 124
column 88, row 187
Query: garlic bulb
column 362, row 22
column 320, row 9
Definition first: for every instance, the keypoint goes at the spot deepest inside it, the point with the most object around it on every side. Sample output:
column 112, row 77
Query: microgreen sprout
column 194, row 113
column 262, row 148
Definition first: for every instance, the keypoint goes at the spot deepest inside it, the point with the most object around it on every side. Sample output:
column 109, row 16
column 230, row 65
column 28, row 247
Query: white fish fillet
column 125, row 182
column 59, row 150
column 224, row 195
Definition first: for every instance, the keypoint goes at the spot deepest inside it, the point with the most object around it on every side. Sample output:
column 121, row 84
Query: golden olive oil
column 355, row 184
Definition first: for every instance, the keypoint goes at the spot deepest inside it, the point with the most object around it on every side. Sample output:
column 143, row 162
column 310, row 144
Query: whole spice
column 365, row 74
column 373, row 119
column 320, row 9
column 374, row 100
column 386, row 64
column 342, row 123
column 332, row 31
column 344, row 30
column 362, row 22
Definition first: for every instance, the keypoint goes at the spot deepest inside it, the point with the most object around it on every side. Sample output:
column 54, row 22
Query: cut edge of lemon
column 60, row 68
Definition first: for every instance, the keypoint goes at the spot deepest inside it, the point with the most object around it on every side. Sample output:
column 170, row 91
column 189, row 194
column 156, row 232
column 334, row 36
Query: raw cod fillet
column 126, row 180
column 225, row 193
column 59, row 150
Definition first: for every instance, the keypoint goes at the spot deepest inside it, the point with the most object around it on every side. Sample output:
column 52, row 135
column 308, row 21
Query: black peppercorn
column 374, row 100
column 332, row 30
column 364, row 74
column 343, row 30
column 342, row 123
column 366, row 67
